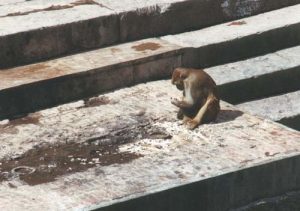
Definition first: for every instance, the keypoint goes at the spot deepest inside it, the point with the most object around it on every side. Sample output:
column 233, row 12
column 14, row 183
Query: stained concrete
column 28, row 88
column 226, row 164
column 97, row 71
column 35, row 30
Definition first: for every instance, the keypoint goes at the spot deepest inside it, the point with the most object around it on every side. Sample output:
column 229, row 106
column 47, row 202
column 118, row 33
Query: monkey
column 200, row 102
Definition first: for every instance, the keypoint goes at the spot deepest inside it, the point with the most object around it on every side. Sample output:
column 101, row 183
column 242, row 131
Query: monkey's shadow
column 227, row 116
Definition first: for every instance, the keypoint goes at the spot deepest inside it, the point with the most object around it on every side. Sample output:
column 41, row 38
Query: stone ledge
column 241, row 39
column 153, row 156
column 28, row 88
column 59, row 26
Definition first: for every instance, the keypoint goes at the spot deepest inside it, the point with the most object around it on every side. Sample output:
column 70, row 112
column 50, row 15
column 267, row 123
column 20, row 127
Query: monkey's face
column 177, row 78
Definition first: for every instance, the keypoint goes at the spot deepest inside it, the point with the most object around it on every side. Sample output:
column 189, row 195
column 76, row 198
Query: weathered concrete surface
column 227, row 164
column 283, row 108
column 39, row 29
column 51, row 33
column 83, row 75
column 258, row 77
column 241, row 39
column 28, row 88
column 7, row 2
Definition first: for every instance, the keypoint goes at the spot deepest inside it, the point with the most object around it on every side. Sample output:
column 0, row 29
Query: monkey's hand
column 180, row 103
column 175, row 102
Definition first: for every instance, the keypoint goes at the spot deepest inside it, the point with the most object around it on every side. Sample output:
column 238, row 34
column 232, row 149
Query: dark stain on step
column 146, row 46
column 45, row 162
column 237, row 23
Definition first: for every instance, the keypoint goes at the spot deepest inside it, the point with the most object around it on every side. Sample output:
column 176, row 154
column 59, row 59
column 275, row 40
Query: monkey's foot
column 186, row 119
column 192, row 124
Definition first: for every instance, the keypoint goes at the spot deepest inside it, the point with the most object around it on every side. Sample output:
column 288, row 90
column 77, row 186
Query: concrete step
column 28, row 88
column 37, row 86
column 258, row 77
column 241, row 39
column 125, row 150
column 282, row 108
column 38, row 29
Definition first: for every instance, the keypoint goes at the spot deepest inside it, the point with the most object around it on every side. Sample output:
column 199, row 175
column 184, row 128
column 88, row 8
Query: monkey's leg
column 180, row 114
column 192, row 124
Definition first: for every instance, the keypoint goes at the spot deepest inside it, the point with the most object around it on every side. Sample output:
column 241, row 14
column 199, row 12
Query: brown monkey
column 200, row 102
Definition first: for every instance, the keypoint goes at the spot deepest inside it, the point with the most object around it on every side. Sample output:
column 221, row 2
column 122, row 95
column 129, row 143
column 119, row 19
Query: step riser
column 36, row 45
column 245, row 47
column 292, row 122
column 44, row 94
column 284, row 109
column 266, row 85
column 49, row 42
column 222, row 192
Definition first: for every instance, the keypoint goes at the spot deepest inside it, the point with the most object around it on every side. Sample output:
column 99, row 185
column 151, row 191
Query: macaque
column 200, row 102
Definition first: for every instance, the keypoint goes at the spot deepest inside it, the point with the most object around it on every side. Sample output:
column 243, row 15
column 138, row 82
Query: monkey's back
column 204, row 86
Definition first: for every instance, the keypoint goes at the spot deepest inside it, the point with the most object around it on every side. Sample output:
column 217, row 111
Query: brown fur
column 202, row 91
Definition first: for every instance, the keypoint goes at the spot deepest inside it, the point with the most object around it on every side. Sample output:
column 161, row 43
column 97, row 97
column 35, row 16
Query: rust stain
column 30, row 119
column 10, row 127
column 21, row 72
column 36, row 72
column 55, row 7
column 33, row 69
column 237, row 23
column 115, row 50
column 146, row 46
column 275, row 133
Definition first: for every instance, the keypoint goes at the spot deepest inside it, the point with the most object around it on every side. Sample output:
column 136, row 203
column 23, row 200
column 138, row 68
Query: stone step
column 37, row 86
column 282, row 108
column 125, row 150
column 258, row 77
column 39, row 29
column 240, row 39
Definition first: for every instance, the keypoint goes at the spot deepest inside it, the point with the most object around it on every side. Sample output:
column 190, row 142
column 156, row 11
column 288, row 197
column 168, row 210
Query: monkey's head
column 179, row 74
